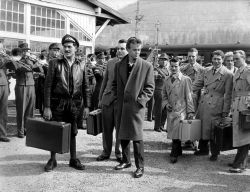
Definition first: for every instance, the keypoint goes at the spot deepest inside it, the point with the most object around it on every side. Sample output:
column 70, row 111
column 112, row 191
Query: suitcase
column 223, row 137
column 244, row 120
column 48, row 135
column 190, row 130
column 94, row 122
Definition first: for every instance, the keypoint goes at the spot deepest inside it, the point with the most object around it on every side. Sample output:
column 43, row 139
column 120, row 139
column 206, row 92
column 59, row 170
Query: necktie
column 214, row 71
column 172, row 79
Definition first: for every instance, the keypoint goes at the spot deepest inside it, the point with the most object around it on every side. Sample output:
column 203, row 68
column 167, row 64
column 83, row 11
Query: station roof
column 107, row 13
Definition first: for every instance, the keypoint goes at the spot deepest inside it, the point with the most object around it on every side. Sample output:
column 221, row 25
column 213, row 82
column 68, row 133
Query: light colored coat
column 132, row 94
column 241, row 93
column 215, row 99
column 178, row 95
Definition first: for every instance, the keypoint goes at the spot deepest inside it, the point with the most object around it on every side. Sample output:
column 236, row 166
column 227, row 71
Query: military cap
column 24, row 46
column 164, row 56
column 54, row 46
column 100, row 56
column 68, row 38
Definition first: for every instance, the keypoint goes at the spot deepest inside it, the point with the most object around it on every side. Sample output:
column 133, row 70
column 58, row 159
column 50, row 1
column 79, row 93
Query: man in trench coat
column 241, row 103
column 215, row 102
column 133, row 86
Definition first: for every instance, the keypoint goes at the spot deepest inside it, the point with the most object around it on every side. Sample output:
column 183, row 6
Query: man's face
column 238, row 60
column 121, row 50
column 69, row 49
column 162, row 62
column 174, row 67
column 192, row 57
column 54, row 53
column 134, row 50
column 229, row 62
column 217, row 61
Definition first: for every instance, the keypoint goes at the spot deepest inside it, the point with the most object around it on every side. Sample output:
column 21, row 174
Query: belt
column 242, row 93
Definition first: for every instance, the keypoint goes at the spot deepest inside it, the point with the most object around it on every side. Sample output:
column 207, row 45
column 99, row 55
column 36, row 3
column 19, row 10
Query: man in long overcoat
column 215, row 102
column 109, row 109
column 241, row 102
column 133, row 86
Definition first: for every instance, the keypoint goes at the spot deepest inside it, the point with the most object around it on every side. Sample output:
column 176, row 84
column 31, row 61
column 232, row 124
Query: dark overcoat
column 132, row 94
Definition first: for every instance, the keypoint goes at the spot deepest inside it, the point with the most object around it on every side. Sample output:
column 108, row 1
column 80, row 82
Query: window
column 9, row 43
column 47, row 22
column 37, row 49
column 11, row 16
column 77, row 33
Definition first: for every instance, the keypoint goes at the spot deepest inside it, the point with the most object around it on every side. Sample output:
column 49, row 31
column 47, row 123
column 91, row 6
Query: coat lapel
column 213, row 78
column 123, row 69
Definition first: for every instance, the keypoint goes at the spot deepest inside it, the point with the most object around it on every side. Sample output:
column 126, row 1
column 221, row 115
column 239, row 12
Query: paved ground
column 21, row 169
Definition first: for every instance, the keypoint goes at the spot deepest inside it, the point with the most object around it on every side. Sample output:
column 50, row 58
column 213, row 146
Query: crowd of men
column 66, row 87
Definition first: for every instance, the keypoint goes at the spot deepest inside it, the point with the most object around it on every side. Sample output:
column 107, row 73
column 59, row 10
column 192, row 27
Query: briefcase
column 94, row 122
column 244, row 120
column 48, row 135
column 223, row 136
column 190, row 130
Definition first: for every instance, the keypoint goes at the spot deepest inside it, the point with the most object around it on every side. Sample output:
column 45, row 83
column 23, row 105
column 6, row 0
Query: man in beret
column 66, row 92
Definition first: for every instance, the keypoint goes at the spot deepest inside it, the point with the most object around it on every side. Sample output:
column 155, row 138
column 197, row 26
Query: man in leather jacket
column 66, row 91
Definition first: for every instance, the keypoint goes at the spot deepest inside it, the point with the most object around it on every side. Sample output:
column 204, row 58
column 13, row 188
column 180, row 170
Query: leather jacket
column 65, row 82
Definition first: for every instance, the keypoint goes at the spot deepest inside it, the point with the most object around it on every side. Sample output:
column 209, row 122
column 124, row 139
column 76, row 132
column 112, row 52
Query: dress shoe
column 76, row 164
column 173, row 159
column 237, row 170
column 51, row 164
column 4, row 139
column 213, row 158
column 102, row 158
column 157, row 130
column 122, row 166
column 20, row 136
column 162, row 129
column 200, row 153
column 139, row 172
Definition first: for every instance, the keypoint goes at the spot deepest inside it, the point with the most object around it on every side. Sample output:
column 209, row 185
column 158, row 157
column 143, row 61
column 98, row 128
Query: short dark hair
column 122, row 41
column 174, row 60
column 16, row 52
column 218, row 53
column 133, row 40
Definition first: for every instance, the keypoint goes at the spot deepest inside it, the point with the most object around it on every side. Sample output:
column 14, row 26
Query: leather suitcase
column 94, row 122
column 244, row 120
column 48, row 135
column 223, row 137
column 190, row 130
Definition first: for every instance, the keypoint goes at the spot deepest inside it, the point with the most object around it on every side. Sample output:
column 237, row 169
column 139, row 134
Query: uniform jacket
column 132, row 94
column 216, row 97
column 178, row 95
column 23, row 76
column 106, row 88
column 159, row 81
column 65, row 82
column 241, row 93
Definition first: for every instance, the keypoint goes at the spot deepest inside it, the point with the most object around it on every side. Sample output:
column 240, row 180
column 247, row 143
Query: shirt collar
column 177, row 76
column 217, row 69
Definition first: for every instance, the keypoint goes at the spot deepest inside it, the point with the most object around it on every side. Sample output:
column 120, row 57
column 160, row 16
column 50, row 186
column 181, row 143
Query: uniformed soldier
column 215, row 102
column 160, row 73
column 25, row 91
column 54, row 51
column 4, row 92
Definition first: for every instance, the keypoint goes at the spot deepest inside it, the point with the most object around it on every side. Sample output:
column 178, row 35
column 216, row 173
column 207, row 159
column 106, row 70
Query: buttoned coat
column 132, row 94
column 241, row 93
column 216, row 98
column 106, row 88
column 178, row 95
